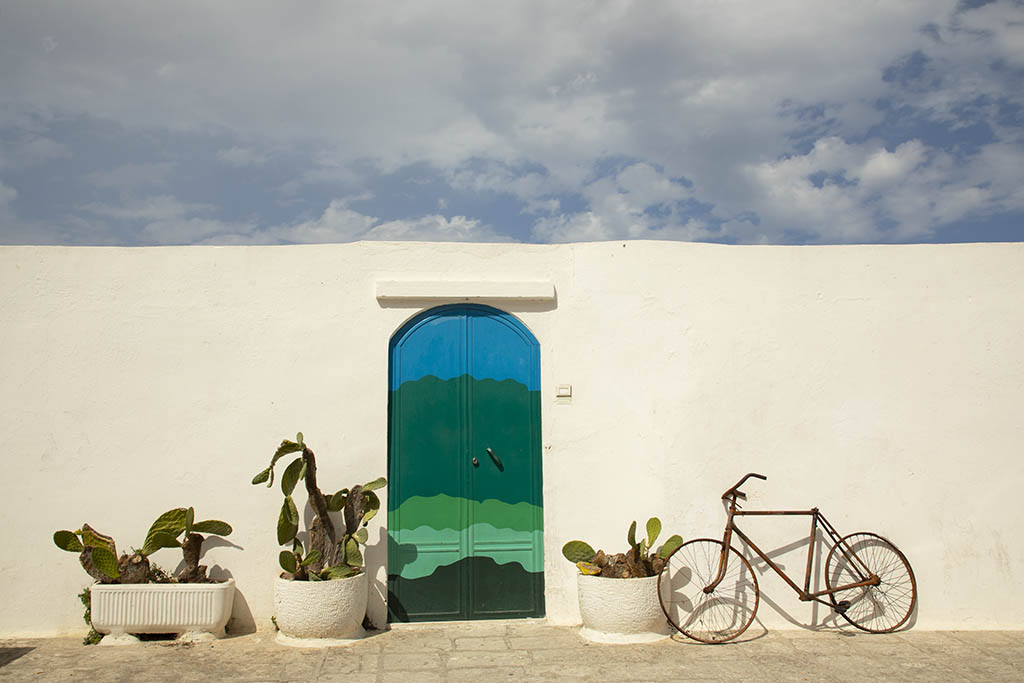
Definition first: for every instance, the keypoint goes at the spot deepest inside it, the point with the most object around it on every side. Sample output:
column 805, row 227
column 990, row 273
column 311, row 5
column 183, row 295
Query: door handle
column 496, row 459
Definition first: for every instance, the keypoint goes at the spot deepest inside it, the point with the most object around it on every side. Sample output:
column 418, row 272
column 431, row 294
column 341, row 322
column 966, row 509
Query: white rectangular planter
column 162, row 607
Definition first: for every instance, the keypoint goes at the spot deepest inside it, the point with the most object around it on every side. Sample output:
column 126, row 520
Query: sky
column 747, row 122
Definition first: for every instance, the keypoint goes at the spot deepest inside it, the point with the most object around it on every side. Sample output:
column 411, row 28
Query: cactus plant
column 99, row 558
column 637, row 562
column 180, row 522
column 327, row 554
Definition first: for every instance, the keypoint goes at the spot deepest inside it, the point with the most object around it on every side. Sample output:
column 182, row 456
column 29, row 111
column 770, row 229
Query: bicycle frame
column 817, row 519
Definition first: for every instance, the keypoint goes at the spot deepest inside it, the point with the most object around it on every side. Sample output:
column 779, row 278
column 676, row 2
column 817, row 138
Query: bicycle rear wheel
column 877, row 609
column 713, row 617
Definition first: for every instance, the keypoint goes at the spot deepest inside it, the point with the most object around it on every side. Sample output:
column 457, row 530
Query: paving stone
column 348, row 678
column 418, row 661
column 464, row 660
column 489, row 675
column 482, row 643
column 546, row 642
column 536, row 627
column 411, row 677
column 477, row 629
column 428, row 642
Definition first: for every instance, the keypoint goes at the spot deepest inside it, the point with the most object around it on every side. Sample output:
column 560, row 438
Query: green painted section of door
column 465, row 539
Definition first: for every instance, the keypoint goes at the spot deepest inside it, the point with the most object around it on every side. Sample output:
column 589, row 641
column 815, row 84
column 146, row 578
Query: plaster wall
column 882, row 384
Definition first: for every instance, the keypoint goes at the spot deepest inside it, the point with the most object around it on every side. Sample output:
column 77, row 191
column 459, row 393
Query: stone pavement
column 528, row 650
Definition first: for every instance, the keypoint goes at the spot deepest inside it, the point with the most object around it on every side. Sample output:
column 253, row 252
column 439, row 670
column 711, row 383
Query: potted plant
column 322, row 592
column 132, row 595
column 618, row 593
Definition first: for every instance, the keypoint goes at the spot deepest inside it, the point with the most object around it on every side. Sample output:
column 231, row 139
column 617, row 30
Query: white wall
column 882, row 384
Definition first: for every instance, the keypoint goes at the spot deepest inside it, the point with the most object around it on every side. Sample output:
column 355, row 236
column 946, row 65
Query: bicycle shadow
column 822, row 618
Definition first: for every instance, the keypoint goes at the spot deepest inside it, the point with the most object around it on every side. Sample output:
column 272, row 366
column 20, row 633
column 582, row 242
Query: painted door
column 465, row 515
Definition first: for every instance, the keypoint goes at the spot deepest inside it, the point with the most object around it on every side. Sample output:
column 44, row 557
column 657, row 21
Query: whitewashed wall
column 882, row 384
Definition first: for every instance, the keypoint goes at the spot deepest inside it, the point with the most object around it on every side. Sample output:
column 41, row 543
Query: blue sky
column 784, row 122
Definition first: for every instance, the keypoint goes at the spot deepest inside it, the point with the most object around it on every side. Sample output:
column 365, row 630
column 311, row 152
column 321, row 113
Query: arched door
column 465, row 514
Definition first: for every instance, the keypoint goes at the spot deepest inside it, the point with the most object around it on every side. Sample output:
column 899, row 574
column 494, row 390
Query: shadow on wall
column 376, row 557
column 242, row 620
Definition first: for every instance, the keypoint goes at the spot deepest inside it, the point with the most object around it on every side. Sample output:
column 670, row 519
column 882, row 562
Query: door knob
column 476, row 462
column 496, row 459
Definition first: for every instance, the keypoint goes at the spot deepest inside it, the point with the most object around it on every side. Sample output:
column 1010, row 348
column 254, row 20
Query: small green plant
column 93, row 636
column 637, row 562
column 98, row 552
column 327, row 553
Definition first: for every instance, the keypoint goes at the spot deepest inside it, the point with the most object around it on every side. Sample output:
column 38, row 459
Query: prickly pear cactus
column 637, row 562
column 328, row 554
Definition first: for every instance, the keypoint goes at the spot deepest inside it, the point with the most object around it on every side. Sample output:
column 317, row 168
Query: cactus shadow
column 376, row 560
column 242, row 621
column 218, row 542
column 215, row 571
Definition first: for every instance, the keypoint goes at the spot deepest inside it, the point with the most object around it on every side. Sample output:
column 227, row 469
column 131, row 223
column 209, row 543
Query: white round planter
column 319, row 613
column 621, row 610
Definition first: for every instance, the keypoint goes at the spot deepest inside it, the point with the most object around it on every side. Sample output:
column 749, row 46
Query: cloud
column 242, row 156
column 194, row 231
column 26, row 149
column 7, row 195
column 637, row 201
column 864, row 192
column 153, row 208
column 132, row 176
column 436, row 228
column 337, row 223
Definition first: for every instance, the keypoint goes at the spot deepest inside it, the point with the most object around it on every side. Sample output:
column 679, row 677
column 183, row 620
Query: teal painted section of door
column 465, row 540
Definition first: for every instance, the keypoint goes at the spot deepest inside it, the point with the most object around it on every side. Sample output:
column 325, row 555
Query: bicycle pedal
column 842, row 606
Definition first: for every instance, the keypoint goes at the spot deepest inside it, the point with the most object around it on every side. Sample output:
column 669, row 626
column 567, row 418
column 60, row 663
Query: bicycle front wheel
column 877, row 609
column 710, row 617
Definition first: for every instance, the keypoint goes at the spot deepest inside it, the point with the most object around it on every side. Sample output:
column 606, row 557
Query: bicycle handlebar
column 734, row 490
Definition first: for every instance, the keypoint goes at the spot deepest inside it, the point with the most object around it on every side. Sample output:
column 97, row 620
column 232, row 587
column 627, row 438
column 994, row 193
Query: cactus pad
column 578, row 551
column 67, row 540
column 653, row 529
column 670, row 546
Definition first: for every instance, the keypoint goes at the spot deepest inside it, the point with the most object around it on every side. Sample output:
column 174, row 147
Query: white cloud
column 132, row 176
column 337, row 223
column 637, row 202
column 153, row 208
column 435, row 228
column 29, row 149
column 588, row 226
column 865, row 187
column 180, row 230
column 7, row 195
column 242, row 156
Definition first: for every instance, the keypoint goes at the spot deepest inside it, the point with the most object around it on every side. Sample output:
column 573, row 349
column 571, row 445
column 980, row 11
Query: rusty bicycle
column 709, row 591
